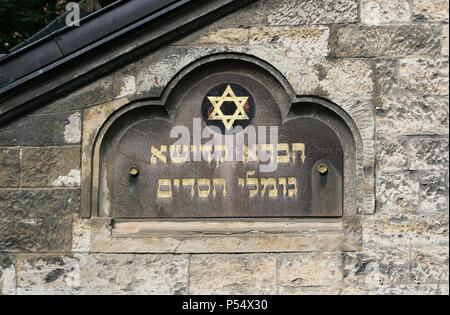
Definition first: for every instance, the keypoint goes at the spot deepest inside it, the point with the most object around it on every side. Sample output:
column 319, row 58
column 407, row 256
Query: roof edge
column 69, row 39
column 93, row 61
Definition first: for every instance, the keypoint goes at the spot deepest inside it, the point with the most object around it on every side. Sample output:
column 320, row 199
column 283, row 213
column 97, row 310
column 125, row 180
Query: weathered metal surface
column 151, row 183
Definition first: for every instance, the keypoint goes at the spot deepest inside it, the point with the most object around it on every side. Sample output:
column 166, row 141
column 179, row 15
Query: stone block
column 7, row 275
column 397, row 192
column 391, row 153
column 428, row 153
column 134, row 274
column 51, row 167
column 49, row 275
column 346, row 78
column 96, row 92
column 252, row 14
column 430, row 10
column 9, row 167
column 230, row 29
column 233, row 274
column 43, row 130
column 106, row 274
column 37, row 220
column 385, row 73
column 356, row 267
column 387, row 41
column 424, row 76
column 430, row 264
column 309, row 269
column 161, row 274
column 288, row 12
column 377, row 12
column 378, row 266
column 221, row 36
column 412, row 114
column 401, row 230
column 302, row 41
column 433, row 192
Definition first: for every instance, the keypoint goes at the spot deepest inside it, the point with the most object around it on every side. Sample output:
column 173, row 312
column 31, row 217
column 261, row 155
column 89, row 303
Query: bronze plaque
column 157, row 177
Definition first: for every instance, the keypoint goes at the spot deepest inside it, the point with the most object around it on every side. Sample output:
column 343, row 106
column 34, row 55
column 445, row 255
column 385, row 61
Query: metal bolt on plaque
column 323, row 169
column 134, row 171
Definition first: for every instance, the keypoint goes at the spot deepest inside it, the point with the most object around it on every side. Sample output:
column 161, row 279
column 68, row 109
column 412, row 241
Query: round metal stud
column 323, row 168
column 134, row 171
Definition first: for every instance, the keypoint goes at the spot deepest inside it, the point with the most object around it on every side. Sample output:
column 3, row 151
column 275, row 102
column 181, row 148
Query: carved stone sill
column 225, row 236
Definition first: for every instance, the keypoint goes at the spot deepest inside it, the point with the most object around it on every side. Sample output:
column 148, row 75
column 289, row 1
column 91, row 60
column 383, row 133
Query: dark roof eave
column 22, row 63
column 56, row 81
column 88, row 9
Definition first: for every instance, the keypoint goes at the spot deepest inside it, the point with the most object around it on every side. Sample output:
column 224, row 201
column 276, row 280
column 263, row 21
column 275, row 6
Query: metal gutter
column 87, row 7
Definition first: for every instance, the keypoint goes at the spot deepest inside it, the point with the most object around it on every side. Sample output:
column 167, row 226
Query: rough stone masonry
column 384, row 62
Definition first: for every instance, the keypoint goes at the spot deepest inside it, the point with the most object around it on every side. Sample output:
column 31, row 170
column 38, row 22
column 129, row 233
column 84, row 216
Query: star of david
column 228, row 96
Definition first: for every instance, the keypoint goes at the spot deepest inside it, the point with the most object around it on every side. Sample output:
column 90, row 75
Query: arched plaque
column 154, row 176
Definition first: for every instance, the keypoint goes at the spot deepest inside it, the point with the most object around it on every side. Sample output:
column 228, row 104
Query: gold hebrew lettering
column 269, row 150
column 179, row 154
column 298, row 147
column 293, row 190
column 167, row 193
column 204, row 188
column 283, row 182
column 252, row 182
column 160, row 155
column 267, row 183
column 283, row 148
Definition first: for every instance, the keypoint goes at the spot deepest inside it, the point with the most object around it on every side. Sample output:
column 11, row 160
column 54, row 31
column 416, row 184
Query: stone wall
column 385, row 62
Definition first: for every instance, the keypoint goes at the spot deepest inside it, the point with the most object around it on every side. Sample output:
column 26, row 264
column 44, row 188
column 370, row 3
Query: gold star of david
column 228, row 96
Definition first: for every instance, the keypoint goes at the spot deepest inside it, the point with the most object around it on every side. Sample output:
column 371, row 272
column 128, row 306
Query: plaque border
column 105, row 238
